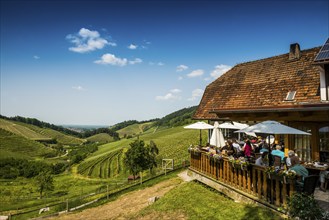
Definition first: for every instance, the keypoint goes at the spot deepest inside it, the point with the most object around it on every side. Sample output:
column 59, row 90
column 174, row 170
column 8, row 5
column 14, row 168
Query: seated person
column 212, row 149
column 278, row 152
column 228, row 148
column 301, row 172
column 291, row 154
column 323, row 175
column 263, row 160
column 264, row 148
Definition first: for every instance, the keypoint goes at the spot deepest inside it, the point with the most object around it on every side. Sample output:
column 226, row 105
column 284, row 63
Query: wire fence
column 104, row 193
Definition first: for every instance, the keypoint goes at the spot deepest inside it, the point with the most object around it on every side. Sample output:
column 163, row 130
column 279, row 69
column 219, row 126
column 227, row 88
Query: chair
column 310, row 183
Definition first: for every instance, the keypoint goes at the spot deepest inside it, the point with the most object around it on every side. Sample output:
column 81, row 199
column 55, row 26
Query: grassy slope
column 134, row 129
column 19, row 129
column 12, row 145
column 195, row 201
column 172, row 143
column 36, row 133
column 101, row 138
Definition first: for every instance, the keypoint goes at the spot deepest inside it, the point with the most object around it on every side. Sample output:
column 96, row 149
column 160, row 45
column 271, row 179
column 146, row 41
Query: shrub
column 304, row 207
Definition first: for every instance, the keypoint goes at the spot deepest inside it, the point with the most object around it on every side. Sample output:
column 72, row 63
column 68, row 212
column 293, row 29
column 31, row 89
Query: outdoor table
column 316, row 169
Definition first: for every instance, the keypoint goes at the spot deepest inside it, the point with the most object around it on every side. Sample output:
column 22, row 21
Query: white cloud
column 160, row 64
column 87, row 40
column 36, row 57
column 219, row 70
column 195, row 94
column 181, row 68
column 135, row 61
column 79, row 88
column 112, row 60
column 172, row 95
column 132, row 47
column 195, row 73
column 175, row 90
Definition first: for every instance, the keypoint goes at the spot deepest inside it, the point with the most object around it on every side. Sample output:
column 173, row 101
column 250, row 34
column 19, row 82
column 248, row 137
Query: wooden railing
column 253, row 181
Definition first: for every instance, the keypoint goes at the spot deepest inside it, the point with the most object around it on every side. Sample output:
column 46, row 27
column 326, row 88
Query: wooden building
column 292, row 88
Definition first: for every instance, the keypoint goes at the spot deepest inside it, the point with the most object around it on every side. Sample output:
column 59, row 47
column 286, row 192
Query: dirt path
column 126, row 205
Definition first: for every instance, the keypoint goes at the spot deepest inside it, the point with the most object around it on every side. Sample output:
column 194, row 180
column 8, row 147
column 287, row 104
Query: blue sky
column 103, row 62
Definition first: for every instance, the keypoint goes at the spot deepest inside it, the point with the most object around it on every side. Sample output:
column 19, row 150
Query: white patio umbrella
column 272, row 127
column 236, row 125
column 217, row 138
column 201, row 126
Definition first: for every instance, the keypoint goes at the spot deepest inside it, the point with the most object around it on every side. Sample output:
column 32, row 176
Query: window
column 324, row 143
column 303, row 144
column 290, row 96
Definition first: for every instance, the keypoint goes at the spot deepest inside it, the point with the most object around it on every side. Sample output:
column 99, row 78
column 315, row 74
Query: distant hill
column 132, row 128
column 177, row 118
column 101, row 138
column 135, row 129
column 16, row 146
column 36, row 133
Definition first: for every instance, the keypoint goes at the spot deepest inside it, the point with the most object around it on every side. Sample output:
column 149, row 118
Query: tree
column 45, row 182
column 139, row 158
column 153, row 151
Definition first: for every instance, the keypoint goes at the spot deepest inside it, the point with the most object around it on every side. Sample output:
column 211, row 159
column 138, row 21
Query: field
column 12, row 145
column 36, row 133
column 107, row 162
column 101, row 138
column 135, row 129
column 108, row 165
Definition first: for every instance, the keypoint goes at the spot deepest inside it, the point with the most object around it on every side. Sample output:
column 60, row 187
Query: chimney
column 294, row 53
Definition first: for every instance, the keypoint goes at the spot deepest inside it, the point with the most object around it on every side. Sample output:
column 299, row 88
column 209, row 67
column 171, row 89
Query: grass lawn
column 195, row 201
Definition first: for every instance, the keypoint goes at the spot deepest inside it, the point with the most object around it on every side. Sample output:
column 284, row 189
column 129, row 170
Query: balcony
column 246, row 184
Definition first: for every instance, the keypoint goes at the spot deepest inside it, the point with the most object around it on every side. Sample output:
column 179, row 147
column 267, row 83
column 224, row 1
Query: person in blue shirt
column 278, row 152
column 301, row 172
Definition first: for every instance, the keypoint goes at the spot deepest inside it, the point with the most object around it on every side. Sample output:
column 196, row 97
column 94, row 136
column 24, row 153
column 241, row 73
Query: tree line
column 11, row 168
column 178, row 118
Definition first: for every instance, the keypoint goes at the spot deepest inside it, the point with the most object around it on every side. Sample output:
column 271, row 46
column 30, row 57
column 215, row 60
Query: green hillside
column 33, row 132
column 21, row 130
column 101, row 138
column 12, row 145
column 135, row 129
column 172, row 144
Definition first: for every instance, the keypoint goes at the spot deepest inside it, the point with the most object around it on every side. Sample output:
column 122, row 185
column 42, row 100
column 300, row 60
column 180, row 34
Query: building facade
column 292, row 88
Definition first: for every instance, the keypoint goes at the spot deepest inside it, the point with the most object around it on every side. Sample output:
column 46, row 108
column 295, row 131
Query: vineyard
column 104, row 166
column 33, row 132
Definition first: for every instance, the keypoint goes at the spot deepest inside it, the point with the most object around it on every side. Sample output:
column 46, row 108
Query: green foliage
column 178, row 118
column 108, row 131
column 305, row 207
column 11, row 168
column 139, row 158
column 79, row 153
column 44, row 182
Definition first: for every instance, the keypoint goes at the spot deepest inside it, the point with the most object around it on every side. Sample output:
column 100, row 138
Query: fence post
column 107, row 192
column 67, row 205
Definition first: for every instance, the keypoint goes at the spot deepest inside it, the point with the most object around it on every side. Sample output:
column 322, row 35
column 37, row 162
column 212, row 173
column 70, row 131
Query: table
column 315, row 170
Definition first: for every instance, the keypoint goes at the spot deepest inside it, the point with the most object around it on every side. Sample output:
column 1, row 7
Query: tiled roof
column 263, row 84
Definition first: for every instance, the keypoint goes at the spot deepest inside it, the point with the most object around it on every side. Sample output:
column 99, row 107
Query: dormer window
column 290, row 96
